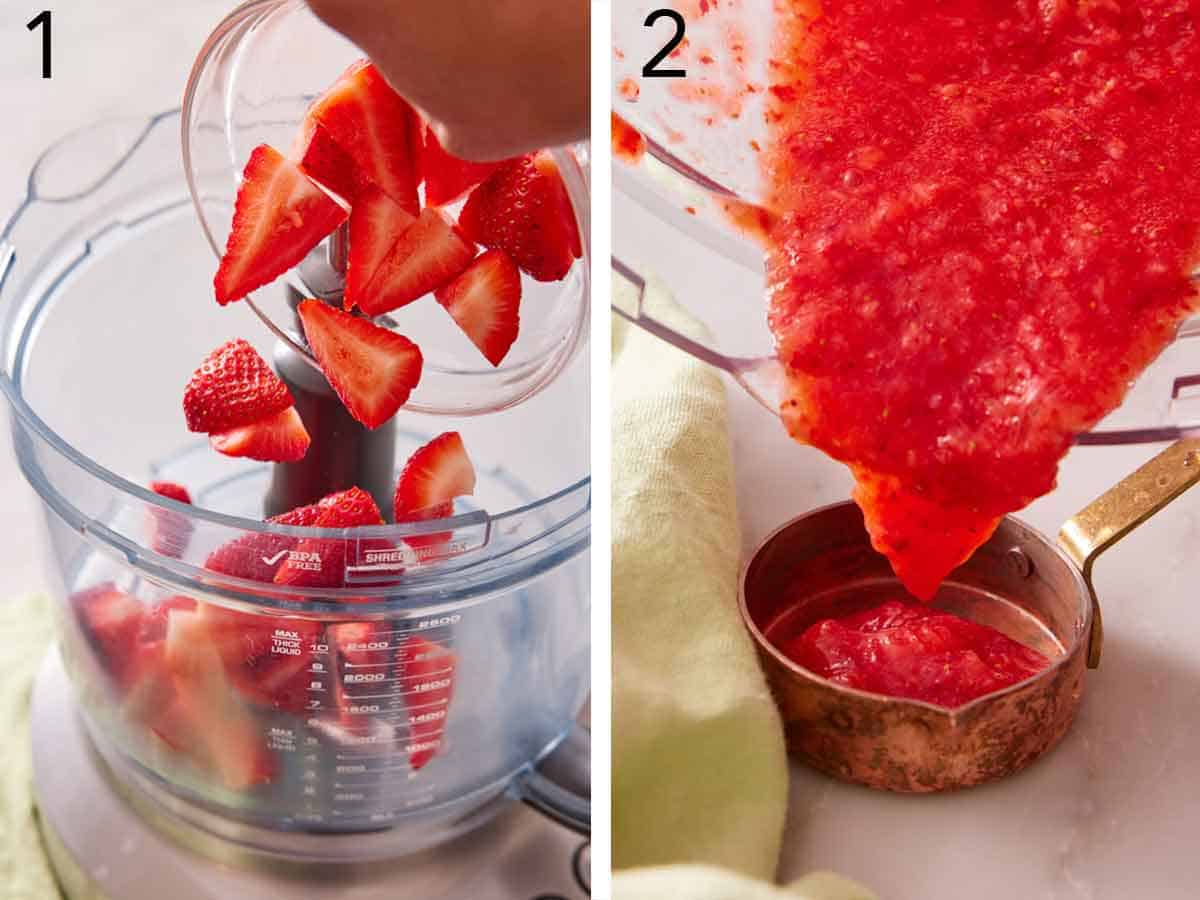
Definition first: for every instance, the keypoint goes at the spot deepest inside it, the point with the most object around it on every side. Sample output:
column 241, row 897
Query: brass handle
column 1123, row 508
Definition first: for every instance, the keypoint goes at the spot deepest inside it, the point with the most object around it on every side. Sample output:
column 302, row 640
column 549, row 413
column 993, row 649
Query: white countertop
column 113, row 58
column 1112, row 813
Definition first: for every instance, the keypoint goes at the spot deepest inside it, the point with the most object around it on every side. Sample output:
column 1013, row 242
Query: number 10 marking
column 42, row 20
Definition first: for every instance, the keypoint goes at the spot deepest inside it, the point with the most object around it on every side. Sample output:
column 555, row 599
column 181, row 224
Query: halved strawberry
column 279, row 438
column 434, row 475
column 447, row 178
column 376, row 128
column 258, row 556
column 485, row 301
column 523, row 209
column 427, row 671
column 323, row 160
column 154, row 623
column 321, row 563
column 426, row 256
column 280, row 215
column 373, row 370
column 170, row 531
column 210, row 721
column 111, row 619
column 234, row 386
column 376, row 223
column 266, row 657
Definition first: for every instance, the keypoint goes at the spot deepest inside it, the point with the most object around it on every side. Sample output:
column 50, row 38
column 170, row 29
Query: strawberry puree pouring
column 989, row 215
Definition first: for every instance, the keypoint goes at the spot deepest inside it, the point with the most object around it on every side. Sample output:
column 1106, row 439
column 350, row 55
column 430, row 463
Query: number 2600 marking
column 651, row 69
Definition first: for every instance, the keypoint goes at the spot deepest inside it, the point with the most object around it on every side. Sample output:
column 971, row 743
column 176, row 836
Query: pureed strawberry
column 990, row 211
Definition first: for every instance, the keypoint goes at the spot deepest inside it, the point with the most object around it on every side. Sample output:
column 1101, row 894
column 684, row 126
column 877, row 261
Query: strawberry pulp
column 911, row 650
column 989, row 213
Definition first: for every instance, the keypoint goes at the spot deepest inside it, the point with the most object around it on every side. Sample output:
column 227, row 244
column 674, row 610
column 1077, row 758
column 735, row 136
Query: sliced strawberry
column 154, row 623
column 427, row 672
column 280, row 215
column 170, row 531
column 321, row 563
column 376, row 223
column 325, row 162
column 433, row 476
column 257, row 557
column 279, row 438
column 112, row 620
column 523, row 209
column 485, row 301
column 429, row 254
column 266, row 657
column 373, row 370
column 234, row 386
column 221, row 733
column 447, row 178
column 376, row 128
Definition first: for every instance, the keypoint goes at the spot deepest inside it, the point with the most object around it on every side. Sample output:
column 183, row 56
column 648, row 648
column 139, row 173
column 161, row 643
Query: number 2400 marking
column 651, row 69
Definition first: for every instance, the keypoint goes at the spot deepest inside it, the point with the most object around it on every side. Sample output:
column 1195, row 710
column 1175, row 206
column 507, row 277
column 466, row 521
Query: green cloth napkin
column 25, row 872
column 700, row 777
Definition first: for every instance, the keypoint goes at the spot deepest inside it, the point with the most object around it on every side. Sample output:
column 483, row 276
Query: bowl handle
column 559, row 787
column 1123, row 508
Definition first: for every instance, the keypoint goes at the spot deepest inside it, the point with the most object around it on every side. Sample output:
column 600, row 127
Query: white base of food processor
column 104, row 849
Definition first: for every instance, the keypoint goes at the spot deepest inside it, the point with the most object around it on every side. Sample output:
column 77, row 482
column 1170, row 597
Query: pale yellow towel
column 699, row 768
column 700, row 776
column 706, row 883
column 25, row 632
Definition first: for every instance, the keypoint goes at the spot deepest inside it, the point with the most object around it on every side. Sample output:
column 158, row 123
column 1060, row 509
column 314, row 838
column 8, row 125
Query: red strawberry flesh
column 427, row 255
column 325, row 162
column 376, row 223
column 372, row 369
column 433, row 476
column 279, row 438
column 376, row 128
column 279, row 216
column 448, row 178
column 485, row 302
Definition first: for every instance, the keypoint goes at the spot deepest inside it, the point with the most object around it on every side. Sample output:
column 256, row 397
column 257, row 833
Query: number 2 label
column 651, row 69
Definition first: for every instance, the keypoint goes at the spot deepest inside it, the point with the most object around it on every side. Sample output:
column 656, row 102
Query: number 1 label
column 42, row 21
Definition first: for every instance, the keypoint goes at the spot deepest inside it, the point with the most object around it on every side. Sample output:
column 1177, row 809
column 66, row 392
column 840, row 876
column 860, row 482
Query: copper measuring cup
column 1031, row 588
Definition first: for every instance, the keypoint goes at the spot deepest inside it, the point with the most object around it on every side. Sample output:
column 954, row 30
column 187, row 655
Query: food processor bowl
column 252, row 83
column 404, row 703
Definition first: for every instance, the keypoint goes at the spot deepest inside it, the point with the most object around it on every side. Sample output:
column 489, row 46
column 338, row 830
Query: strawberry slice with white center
column 523, row 209
column 234, row 386
column 280, row 215
column 322, row 563
column 485, row 301
column 207, row 717
column 376, row 128
column 427, row 673
column 323, row 160
column 376, row 223
column 278, row 438
column 428, row 254
column 373, row 370
column 447, row 178
column 429, row 482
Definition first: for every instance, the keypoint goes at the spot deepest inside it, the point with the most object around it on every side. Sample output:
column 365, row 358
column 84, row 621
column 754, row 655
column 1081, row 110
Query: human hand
column 494, row 78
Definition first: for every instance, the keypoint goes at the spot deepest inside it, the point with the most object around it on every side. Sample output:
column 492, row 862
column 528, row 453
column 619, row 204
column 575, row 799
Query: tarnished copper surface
column 1020, row 582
